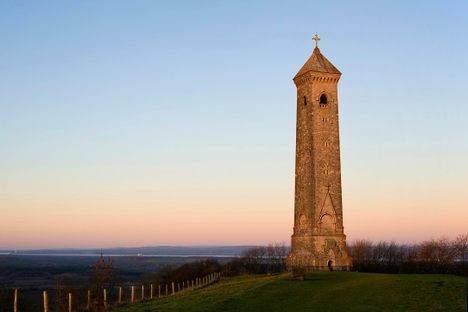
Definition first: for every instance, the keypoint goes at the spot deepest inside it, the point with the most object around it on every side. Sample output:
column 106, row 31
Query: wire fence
column 104, row 298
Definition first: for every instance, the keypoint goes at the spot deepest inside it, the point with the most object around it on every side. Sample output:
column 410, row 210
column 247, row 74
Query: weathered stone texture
column 318, row 241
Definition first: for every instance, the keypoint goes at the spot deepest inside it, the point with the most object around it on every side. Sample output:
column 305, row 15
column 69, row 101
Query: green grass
column 324, row 291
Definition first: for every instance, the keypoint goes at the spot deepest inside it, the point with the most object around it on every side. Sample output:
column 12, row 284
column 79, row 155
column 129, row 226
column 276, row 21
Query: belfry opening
column 323, row 99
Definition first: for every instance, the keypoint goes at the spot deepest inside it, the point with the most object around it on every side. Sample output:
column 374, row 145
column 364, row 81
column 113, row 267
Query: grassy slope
column 337, row 291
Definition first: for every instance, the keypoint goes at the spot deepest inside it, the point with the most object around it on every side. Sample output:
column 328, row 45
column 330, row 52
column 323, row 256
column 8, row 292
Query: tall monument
column 318, row 241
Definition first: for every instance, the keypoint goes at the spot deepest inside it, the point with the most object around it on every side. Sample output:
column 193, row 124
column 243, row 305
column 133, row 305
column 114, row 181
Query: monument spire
column 318, row 241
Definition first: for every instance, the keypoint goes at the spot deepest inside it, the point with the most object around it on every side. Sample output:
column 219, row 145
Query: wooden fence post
column 132, row 298
column 159, row 291
column 46, row 301
column 104, row 294
column 142, row 292
column 151, row 292
column 120, row 295
column 173, row 288
column 88, row 305
column 178, row 287
column 69, row 302
column 15, row 301
column 166, row 290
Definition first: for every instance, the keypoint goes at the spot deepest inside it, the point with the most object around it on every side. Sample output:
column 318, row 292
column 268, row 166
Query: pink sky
column 252, row 214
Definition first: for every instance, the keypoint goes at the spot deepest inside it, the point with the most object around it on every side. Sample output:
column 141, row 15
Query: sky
column 138, row 123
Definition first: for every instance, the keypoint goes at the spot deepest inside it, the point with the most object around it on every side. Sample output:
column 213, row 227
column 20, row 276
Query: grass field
column 335, row 291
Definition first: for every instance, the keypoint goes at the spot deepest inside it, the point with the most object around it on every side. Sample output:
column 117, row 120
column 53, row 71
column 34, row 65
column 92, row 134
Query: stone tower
column 318, row 241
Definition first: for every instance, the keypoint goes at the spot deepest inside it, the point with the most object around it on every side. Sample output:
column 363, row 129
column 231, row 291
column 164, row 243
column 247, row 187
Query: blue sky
column 184, row 113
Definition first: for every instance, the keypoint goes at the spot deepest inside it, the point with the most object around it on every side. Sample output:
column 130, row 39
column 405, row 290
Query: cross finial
column 316, row 38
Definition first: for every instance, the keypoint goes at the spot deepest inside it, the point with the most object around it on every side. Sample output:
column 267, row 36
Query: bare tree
column 265, row 259
column 460, row 246
column 437, row 251
column 104, row 275
column 361, row 250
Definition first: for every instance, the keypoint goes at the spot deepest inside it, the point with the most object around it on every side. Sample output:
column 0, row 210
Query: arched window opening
column 323, row 99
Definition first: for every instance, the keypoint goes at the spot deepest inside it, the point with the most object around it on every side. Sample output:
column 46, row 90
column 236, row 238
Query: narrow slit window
column 305, row 101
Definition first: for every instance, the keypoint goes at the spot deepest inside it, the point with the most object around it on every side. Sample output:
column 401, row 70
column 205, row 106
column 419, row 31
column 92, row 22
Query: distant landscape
column 64, row 271
column 50, row 269
column 159, row 251
column 42, row 268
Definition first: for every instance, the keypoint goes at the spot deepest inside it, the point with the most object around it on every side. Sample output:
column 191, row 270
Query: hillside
column 337, row 291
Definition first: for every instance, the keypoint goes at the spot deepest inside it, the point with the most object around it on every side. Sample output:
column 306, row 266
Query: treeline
column 259, row 260
column 432, row 256
column 256, row 260
column 442, row 255
column 185, row 272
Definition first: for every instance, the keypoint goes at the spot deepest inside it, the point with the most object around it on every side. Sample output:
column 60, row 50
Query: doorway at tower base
column 318, row 253
column 299, row 270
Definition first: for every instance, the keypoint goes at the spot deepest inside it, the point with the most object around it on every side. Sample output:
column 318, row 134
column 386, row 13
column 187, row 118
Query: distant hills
column 159, row 251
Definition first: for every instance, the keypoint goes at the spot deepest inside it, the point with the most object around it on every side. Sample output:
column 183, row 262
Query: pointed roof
column 318, row 63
